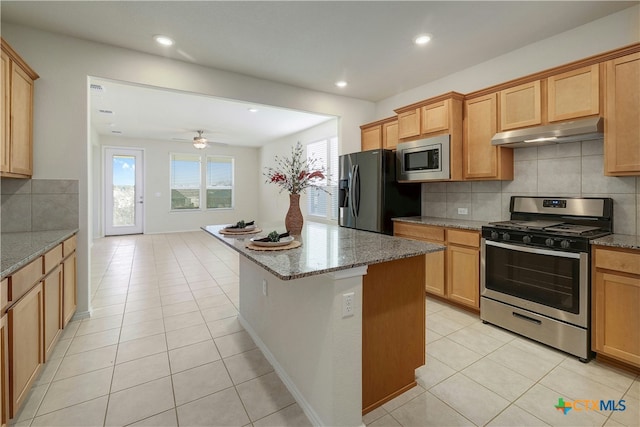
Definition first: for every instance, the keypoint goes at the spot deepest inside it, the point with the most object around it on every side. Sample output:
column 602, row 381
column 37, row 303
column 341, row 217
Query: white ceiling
column 309, row 44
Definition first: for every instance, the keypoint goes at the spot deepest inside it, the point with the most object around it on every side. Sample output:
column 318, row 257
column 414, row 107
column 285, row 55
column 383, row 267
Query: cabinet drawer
column 464, row 238
column 417, row 231
column 69, row 246
column 627, row 262
column 52, row 258
column 24, row 279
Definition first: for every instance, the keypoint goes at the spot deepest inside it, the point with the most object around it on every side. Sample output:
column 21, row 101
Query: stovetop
column 551, row 227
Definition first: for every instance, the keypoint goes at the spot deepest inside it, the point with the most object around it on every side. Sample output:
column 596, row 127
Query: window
column 187, row 175
column 185, row 181
column 219, row 182
column 324, row 204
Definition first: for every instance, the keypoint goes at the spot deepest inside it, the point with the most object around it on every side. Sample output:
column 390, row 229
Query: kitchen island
column 338, row 359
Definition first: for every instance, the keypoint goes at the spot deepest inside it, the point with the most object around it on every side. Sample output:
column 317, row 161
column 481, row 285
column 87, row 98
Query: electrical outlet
column 347, row 304
column 264, row 287
column 463, row 211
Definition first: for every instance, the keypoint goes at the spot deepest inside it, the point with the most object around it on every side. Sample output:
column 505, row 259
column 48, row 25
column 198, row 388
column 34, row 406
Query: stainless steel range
column 535, row 275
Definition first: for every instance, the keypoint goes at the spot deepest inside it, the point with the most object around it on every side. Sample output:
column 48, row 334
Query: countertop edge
column 622, row 241
column 462, row 224
column 65, row 234
column 435, row 248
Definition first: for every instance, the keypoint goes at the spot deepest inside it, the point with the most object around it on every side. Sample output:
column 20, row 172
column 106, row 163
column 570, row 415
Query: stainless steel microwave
column 423, row 159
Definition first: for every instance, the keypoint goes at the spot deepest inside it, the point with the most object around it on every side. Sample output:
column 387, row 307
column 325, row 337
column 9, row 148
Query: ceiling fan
column 199, row 141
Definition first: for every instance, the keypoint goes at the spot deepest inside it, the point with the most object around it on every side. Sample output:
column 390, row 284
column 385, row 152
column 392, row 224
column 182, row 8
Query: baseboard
column 79, row 315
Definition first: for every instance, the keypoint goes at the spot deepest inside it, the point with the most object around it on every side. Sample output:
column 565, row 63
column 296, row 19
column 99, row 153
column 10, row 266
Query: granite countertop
column 463, row 224
column 326, row 248
column 627, row 241
column 20, row 248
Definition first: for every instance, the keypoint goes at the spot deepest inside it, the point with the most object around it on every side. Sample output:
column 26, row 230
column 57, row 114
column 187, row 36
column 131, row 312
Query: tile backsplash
column 38, row 204
column 571, row 170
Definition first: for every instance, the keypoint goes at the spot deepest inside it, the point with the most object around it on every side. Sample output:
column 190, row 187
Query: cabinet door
column 409, row 124
column 69, row 288
column 434, row 272
column 390, row 135
column 622, row 116
column 21, row 121
column 463, row 275
column 520, row 106
column 52, row 288
column 25, row 345
column 4, row 371
column 371, row 138
column 574, row 94
column 5, row 152
column 480, row 159
column 435, row 117
column 615, row 318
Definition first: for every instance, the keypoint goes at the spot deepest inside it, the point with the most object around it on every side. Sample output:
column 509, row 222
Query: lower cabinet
column 52, row 288
column 4, row 371
column 26, row 355
column 616, row 304
column 454, row 273
column 69, row 293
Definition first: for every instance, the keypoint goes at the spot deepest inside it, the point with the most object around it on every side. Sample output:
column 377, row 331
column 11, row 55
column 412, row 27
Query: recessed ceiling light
column 341, row 83
column 422, row 39
column 253, row 110
column 163, row 40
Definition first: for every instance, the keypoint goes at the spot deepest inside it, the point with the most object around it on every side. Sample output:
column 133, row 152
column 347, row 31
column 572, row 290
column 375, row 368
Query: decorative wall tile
column 458, row 187
column 54, row 186
column 554, row 151
column 16, row 213
column 15, row 186
column 459, row 200
column 486, row 206
column 486, row 187
column 560, row 176
column 54, row 211
column 594, row 181
column 525, row 153
column 525, row 178
column 434, row 204
column 593, row 148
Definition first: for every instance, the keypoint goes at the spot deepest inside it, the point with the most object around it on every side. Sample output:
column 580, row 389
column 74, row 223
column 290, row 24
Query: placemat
column 240, row 233
column 291, row 245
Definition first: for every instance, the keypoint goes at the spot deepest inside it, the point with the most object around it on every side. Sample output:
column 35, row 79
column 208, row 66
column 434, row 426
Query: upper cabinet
column 380, row 134
column 16, row 153
column 574, row 94
column 435, row 117
column 409, row 123
column 520, row 106
column 430, row 117
column 622, row 116
column 480, row 159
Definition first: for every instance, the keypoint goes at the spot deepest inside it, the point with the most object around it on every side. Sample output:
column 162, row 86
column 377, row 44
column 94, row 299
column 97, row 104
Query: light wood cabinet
column 622, row 116
column 409, row 123
column 480, row 159
column 52, row 297
column 26, row 355
column 390, row 135
column 17, row 115
column 574, row 94
column 521, row 106
column 616, row 304
column 371, row 137
column 69, row 277
column 435, row 117
column 454, row 273
column 4, row 370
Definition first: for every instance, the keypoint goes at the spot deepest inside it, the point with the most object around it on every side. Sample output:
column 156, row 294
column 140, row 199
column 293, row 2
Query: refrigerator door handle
column 351, row 187
column 356, row 190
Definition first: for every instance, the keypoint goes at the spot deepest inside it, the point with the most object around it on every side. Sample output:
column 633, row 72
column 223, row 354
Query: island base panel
column 393, row 329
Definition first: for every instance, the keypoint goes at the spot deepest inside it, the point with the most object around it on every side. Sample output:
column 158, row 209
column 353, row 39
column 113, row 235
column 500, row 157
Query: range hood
column 556, row 133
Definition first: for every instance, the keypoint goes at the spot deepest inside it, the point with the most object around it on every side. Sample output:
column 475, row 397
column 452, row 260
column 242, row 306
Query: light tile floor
column 164, row 348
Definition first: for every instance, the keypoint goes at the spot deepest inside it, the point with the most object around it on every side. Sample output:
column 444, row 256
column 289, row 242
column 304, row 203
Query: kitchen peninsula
column 338, row 361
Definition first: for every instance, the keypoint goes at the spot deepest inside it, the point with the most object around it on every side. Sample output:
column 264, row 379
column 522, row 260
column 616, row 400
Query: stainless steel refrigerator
column 369, row 195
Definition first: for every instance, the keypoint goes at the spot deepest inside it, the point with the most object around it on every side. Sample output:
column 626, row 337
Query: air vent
column 105, row 111
column 97, row 88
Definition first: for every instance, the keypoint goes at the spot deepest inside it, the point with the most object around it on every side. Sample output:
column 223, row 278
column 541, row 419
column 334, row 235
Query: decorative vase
column 293, row 221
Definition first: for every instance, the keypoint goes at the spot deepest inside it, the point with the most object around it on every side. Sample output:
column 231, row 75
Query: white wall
column 61, row 129
column 158, row 217
column 274, row 205
column 608, row 33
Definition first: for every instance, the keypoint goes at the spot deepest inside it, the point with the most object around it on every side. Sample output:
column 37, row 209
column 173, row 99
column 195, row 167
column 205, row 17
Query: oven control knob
column 549, row 242
column 506, row 236
column 495, row 235
column 565, row 244
column 526, row 239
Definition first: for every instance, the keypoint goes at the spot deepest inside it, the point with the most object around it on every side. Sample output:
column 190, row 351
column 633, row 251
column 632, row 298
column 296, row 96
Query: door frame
column 107, row 152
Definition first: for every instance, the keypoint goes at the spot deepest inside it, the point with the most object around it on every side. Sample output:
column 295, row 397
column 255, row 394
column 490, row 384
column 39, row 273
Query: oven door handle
column 532, row 250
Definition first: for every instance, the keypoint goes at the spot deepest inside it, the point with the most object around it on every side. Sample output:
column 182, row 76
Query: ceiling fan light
column 200, row 142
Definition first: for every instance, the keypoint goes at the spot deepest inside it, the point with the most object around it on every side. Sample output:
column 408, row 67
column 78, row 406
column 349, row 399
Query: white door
column 124, row 191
